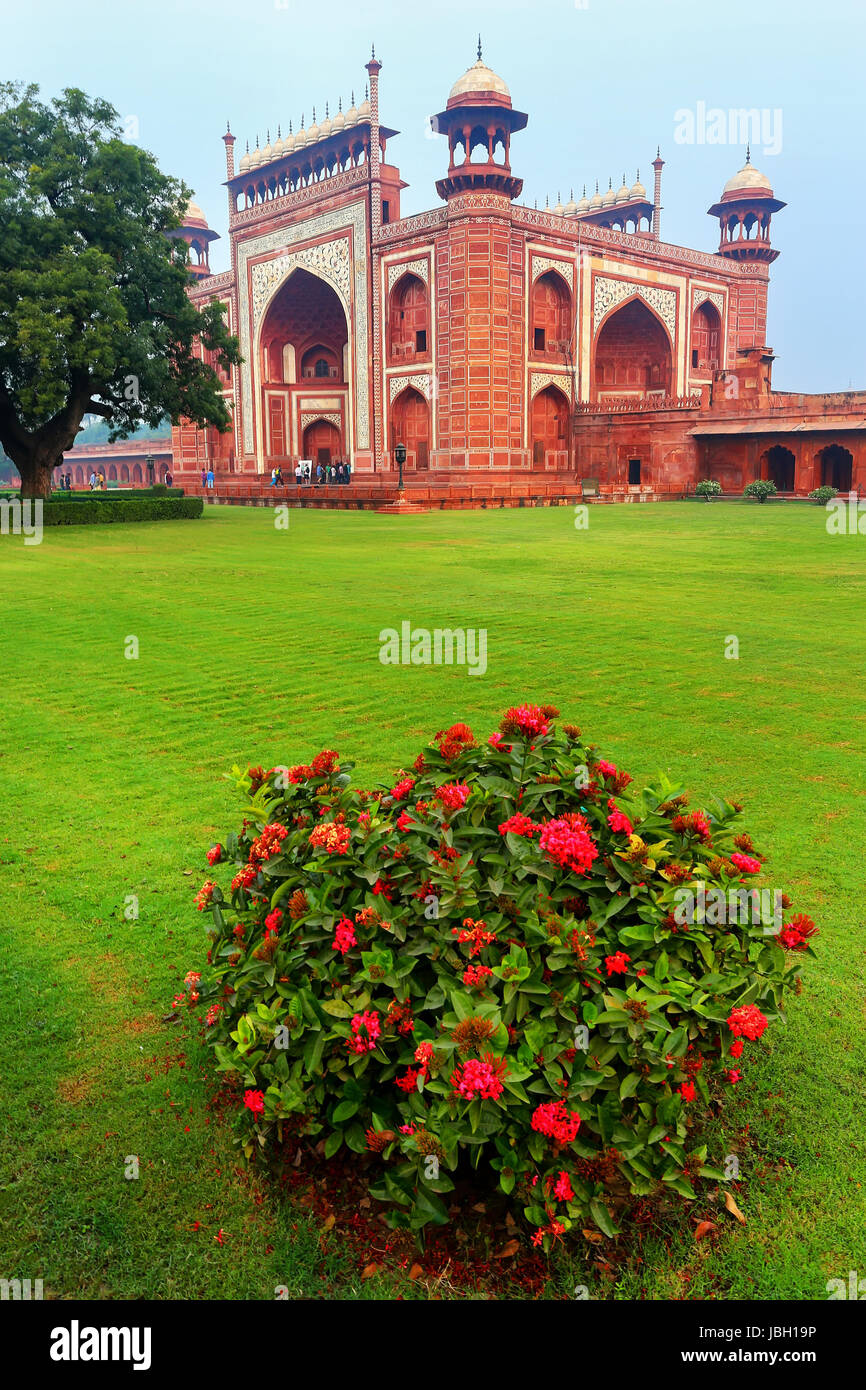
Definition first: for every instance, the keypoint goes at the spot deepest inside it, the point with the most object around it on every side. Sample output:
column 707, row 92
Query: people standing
column 204, row 477
column 210, row 477
column 299, row 472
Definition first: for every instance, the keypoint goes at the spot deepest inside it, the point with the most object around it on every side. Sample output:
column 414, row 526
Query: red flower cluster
column 409, row 1082
column 528, row 721
column 366, row 1028
column 747, row 1022
column 696, row 824
column 556, row 1123
column 453, row 796
column 402, row 788
column 474, row 932
column 399, row 1016
column 482, row 1078
column 331, row 837
column 616, row 963
column 475, row 976
column 795, row 934
column 301, row 773
column 687, row 1091
column 268, row 843
column 344, row 936
column 245, row 877
column 568, row 843
column 204, row 895
column 455, row 741
column 325, row 762
column 272, row 921
column 215, row 854
column 519, row 825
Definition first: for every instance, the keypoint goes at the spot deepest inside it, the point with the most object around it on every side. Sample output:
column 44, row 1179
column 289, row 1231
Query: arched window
column 706, row 339
column 321, row 368
column 550, row 320
column 409, row 320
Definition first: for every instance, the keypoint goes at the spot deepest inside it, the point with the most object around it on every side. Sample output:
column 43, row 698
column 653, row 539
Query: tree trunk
column 36, row 468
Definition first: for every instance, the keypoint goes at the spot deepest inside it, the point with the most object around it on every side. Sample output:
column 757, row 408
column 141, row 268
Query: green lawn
column 262, row 645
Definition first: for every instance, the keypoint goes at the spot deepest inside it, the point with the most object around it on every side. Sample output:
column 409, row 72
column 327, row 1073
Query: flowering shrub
column 485, row 962
column 823, row 494
column 762, row 488
column 708, row 487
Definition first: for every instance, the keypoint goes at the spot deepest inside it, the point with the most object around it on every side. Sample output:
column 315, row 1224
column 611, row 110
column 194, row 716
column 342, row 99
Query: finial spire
column 372, row 52
column 479, row 48
column 279, row 131
column 748, row 154
column 228, row 128
column 327, row 113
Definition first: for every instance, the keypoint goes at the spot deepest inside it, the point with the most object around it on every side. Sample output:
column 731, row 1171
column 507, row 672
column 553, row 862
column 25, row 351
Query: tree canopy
column 95, row 317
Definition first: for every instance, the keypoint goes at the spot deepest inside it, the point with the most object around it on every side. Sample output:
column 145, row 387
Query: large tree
column 94, row 312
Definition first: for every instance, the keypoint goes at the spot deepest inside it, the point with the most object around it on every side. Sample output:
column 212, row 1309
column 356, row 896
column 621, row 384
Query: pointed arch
column 410, row 425
column 633, row 352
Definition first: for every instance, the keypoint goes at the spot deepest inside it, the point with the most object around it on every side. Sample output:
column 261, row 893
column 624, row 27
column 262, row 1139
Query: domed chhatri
column 745, row 210
column 479, row 114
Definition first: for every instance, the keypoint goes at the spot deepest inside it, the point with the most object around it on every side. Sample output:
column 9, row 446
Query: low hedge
column 128, row 494
column 91, row 512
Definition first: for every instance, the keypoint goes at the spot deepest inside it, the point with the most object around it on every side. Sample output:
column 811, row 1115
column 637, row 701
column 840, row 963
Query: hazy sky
column 603, row 81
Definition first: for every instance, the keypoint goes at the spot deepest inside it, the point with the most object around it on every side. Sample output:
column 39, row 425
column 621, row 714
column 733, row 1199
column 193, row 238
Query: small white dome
column 479, row 78
column 610, row 197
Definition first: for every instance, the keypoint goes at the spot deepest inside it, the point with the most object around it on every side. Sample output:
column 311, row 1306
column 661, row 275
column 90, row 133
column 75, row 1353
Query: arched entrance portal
column 410, row 425
column 779, row 464
column 323, row 442
column 549, row 423
column 303, row 352
column 836, row 465
column 632, row 353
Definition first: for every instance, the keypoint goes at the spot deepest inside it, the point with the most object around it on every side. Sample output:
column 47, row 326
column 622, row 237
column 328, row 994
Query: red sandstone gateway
column 500, row 344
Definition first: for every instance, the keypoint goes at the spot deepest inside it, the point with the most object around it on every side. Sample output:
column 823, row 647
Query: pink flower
column 746, row 864
column 563, row 1191
column 618, row 820
column 366, row 1029
column 481, row 1079
column 567, row 842
column 255, row 1101
column 344, row 936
